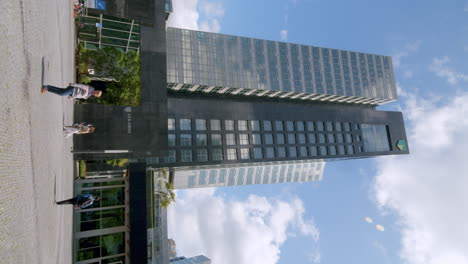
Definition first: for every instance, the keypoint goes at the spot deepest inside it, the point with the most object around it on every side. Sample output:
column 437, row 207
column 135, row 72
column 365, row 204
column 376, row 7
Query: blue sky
column 420, row 199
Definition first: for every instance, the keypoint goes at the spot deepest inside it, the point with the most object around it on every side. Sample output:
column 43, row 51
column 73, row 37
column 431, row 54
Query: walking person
column 82, row 128
column 74, row 90
column 81, row 200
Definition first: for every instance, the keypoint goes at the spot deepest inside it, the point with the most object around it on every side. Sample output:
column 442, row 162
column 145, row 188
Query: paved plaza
column 35, row 158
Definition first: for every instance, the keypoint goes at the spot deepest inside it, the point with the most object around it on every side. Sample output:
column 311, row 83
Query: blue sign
column 101, row 4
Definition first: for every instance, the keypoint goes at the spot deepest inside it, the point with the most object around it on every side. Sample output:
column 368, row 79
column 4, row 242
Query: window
column 301, row 138
column 292, row 152
column 171, row 124
column 245, row 153
column 338, row 126
column 320, row 126
column 289, row 126
column 185, row 124
column 375, row 138
column 279, row 139
column 332, row 150
column 268, row 139
column 331, row 138
column 303, row 151
column 313, row 151
column 300, row 126
column 171, row 140
column 349, row 138
column 356, row 127
column 201, row 139
column 230, row 139
column 185, row 139
column 257, row 152
column 279, row 125
column 310, row 126
column 171, row 157
column 244, row 139
column 217, row 154
column 215, row 124
column 339, row 138
column 267, row 125
column 229, row 124
column 200, row 124
column 270, row 153
column 350, row 149
column 329, row 126
column 312, row 138
column 216, row 139
column 347, row 126
column 213, row 175
column 202, row 155
column 321, row 138
column 358, row 138
column 281, row 152
column 291, row 139
column 231, row 154
column 256, row 139
column 254, row 125
column 242, row 125
column 341, row 150
column 323, row 151
column 186, row 155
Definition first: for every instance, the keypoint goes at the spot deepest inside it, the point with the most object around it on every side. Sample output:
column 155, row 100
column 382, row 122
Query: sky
column 420, row 199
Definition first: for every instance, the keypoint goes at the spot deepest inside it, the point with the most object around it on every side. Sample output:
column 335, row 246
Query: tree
column 117, row 162
column 165, row 190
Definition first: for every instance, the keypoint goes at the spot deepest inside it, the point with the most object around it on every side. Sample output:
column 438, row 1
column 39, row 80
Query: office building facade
column 224, row 64
column 193, row 260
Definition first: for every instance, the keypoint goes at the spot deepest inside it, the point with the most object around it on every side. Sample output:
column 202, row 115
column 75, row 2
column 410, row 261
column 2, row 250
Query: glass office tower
column 223, row 64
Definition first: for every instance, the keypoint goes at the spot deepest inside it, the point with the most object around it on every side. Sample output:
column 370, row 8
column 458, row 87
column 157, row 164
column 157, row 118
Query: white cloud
column 284, row 35
column 407, row 50
column 427, row 189
column 441, row 69
column 250, row 231
column 196, row 15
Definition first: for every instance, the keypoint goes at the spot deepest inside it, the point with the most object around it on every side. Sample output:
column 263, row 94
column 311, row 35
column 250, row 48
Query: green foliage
column 123, row 67
column 117, row 162
column 165, row 190
column 82, row 168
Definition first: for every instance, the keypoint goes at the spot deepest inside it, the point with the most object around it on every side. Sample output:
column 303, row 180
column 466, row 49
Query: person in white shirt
column 74, row 90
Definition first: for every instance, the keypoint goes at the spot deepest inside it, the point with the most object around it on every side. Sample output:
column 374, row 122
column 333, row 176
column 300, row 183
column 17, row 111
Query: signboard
column 96, row 4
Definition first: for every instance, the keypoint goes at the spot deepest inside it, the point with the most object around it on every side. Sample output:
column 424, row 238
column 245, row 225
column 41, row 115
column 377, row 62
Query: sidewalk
column 35, row 158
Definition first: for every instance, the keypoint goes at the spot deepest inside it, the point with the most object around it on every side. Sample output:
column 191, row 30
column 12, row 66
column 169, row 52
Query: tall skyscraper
column 193, row 260
column 222, row 64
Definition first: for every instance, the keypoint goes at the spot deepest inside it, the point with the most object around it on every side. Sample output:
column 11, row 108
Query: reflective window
column 310, row 126
column 185, row 139
column 186, row 155
column 350, row 149
column 200, row 124
column 215, row 124
column 217, row 154
column 329, row 126
column 341, row 150
column 347, row 126
column 267, row 125
column 281, row 152
column 242, row 125
column 279, row 125
column 321, row 138
column 257, row 152
column 254, row 125
column 202, row 155
column 268, row 139
column 331, row 138
column 245, row 153
column 301, row 138
column 323, row 151
column 185, row 124
column 320, row 126
column 358, row 138
column 375, row 138
column 171, row 124
column 312, row 138
column 279, row 139
column 230, row 139
column 171, row 140
column 229, row 124
column 289, row 126
column 303, row 151
column 213, row 175
column 338, row 126
column 332, row 150
column 243, row 139
column 256, row 139
column 171, row 156
column 356, row 127
column 313, row 151
column 216, row 139
column 339, row 138
column 349, row 138
column 201, row 139
column 231, row 154
column 300, row 126
column 292, row 152
column 291, row 139
column 270, row 153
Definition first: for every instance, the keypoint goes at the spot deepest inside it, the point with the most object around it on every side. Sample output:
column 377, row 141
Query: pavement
column 36, row 43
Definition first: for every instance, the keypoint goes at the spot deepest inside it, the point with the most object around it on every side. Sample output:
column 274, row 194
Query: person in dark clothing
column 81, row 201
